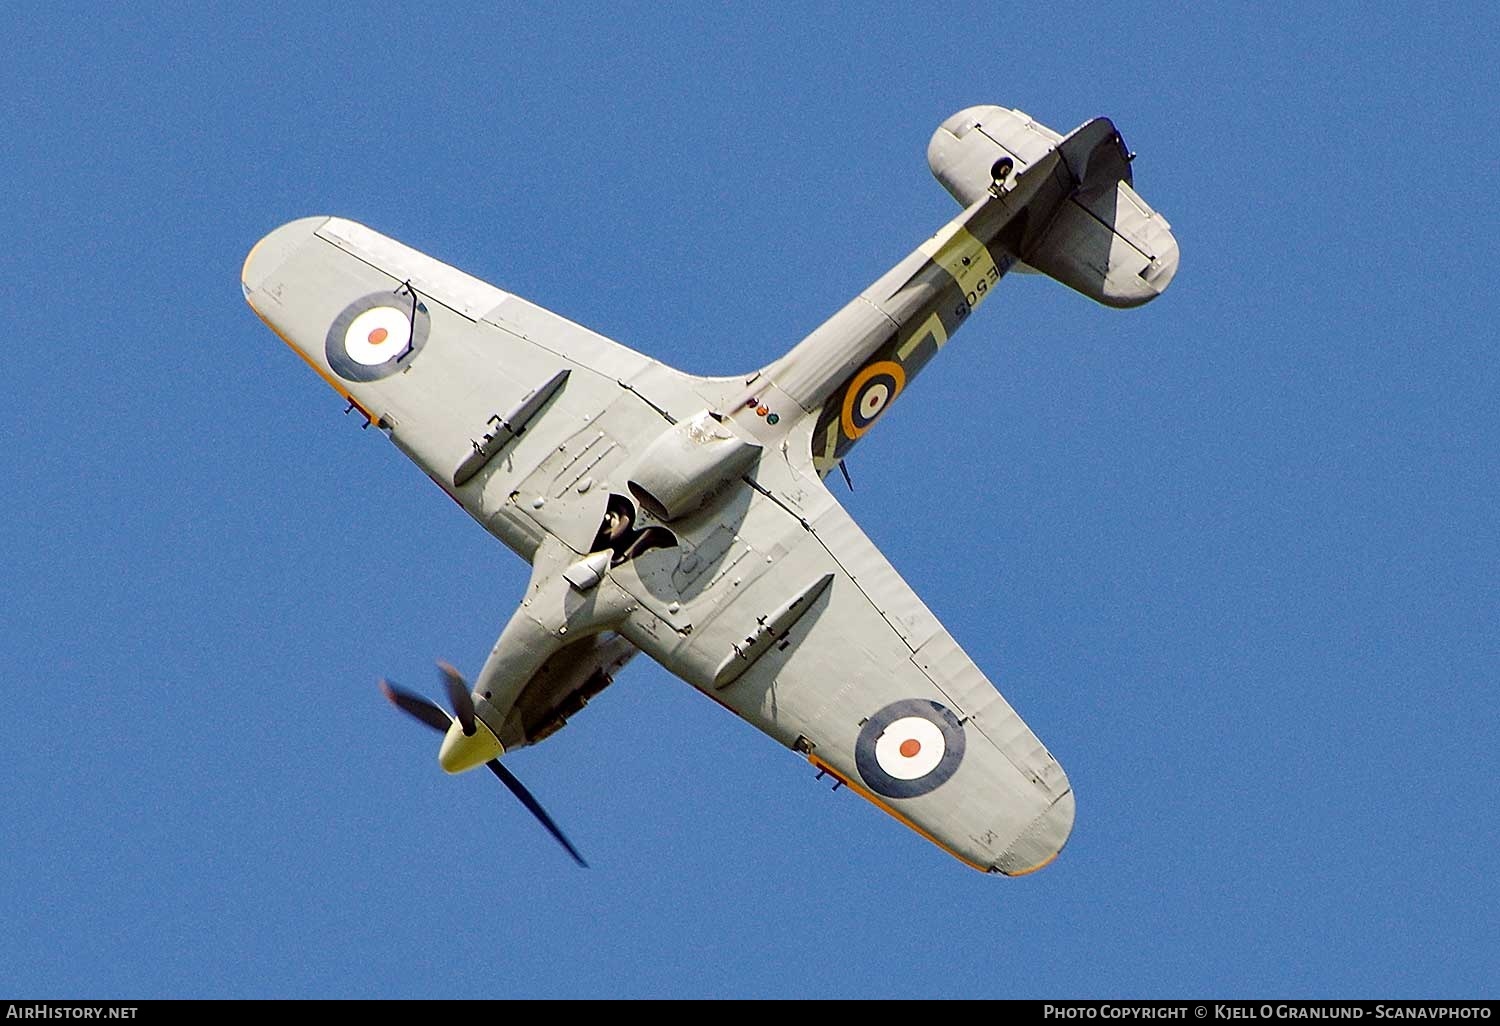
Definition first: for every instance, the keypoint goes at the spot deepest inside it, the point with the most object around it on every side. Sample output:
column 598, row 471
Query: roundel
column 873, row 389
column 374, row 336
column 909, row 748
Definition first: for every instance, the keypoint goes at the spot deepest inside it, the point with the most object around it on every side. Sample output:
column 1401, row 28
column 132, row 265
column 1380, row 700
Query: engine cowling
column 688, row 464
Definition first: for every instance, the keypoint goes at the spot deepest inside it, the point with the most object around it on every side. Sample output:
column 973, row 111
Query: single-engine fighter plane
column 686, row 517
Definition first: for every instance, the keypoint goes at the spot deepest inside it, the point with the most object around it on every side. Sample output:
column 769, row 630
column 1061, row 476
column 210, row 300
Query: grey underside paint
column 864, row 640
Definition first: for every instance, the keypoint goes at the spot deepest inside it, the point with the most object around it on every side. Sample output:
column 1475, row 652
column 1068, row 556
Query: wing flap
column 541, row 327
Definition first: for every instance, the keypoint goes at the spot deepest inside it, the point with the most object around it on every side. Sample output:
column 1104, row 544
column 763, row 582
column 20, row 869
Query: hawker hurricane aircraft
column 686, row 517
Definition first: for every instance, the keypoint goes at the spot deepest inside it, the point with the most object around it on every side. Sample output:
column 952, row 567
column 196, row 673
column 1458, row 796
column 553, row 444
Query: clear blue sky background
column 1232, row 555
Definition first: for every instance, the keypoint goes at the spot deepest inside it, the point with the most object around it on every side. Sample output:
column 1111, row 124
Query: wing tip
column 1042, row 841
column 267, row 255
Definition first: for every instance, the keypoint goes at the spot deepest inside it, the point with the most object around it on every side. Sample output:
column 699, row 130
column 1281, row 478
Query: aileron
column 460, row 292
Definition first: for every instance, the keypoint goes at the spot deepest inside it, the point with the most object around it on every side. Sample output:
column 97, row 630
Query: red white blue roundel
column 909, row 748
column 376, row 336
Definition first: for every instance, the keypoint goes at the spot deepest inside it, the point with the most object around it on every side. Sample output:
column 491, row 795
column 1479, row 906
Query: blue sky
column 1233, row 555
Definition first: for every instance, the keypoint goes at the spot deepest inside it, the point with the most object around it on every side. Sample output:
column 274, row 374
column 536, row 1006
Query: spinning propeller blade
column 419, row 708
column 459, row 698
column 416, row 706
column 519, row 790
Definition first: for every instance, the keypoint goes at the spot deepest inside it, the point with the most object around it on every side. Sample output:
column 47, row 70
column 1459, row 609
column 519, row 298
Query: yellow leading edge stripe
column 883, row 807
column 332, row 382
column 1040, row 865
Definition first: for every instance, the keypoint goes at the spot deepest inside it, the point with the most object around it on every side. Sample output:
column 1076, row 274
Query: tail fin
column 1103, row 241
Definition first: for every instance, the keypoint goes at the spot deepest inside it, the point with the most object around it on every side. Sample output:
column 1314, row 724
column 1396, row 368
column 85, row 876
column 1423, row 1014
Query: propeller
column 417, row 707
column 459, row 698
column 519, row 790
column 420, row 708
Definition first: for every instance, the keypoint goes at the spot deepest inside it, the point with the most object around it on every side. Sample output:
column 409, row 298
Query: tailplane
column 1100, row 239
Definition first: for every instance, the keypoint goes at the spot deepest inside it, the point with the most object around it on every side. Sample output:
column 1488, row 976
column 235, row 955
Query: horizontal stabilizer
column 1101, row 239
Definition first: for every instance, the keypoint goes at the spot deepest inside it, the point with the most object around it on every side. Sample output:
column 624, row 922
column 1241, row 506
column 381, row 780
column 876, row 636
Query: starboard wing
column 455, row 368
column 872, row 689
